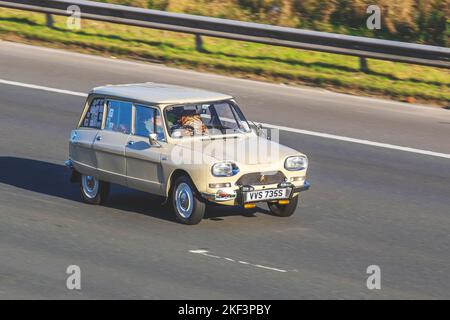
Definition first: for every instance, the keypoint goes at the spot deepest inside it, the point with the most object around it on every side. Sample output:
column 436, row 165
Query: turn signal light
column 249, row 205
column 283, row 201
column 285, row 184
column 247, row 188
column 220, row 185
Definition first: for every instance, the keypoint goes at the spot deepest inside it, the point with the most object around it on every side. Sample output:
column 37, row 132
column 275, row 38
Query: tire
column 284, row 210
column 93, row 191
column 189, row 208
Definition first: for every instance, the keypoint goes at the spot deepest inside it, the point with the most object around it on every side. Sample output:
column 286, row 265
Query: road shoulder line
column 282, row 128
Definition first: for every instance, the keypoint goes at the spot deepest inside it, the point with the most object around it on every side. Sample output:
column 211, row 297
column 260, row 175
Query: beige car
column 190, row 146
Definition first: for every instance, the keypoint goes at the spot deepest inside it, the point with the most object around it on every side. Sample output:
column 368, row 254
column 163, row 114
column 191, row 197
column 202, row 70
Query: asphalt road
column 367, row 205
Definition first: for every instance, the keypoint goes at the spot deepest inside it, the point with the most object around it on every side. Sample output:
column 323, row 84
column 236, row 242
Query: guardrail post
column 363, row 66
column 49, row 20
column 199, row 43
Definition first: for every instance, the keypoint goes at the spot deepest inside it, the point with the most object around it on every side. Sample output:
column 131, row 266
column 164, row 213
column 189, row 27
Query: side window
column 118, row 117
column 94, row 115
column 148, row 120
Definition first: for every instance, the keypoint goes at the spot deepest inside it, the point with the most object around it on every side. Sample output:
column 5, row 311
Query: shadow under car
column 53, row 179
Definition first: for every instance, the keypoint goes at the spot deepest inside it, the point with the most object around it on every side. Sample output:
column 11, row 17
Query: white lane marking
column 270, row 268
column 359, row 141
column 33, row 86
column 207, row 254
column 283, row 128
column 164, row 68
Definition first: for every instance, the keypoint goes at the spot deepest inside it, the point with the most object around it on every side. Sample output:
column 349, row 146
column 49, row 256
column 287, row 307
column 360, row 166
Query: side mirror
column 153, row 140
column 257, row 127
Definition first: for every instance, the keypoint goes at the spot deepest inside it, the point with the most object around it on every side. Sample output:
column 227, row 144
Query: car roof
column 159, row 93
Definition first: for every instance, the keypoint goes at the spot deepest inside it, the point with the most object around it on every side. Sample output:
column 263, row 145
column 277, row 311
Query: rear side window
column 118, row 117
column 94, row 115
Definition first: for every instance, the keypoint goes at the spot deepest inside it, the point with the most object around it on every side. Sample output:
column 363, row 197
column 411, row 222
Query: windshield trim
column 236, row 111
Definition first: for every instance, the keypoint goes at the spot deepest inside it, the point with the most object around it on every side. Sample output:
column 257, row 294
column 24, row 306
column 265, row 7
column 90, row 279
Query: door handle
column 130, row 143
column 98, row 138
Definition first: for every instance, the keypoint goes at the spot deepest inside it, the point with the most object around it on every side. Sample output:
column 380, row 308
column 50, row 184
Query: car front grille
column 261, row 178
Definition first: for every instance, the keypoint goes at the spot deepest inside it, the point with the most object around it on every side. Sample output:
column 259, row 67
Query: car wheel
column 284, row 210
column 93, row 190
column 189, row 208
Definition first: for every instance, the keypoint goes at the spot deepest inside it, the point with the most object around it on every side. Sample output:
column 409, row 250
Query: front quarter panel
column 176, row 164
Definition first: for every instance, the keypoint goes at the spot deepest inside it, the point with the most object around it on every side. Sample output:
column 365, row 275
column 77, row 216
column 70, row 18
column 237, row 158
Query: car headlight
column 296, row 163
column 224, row 169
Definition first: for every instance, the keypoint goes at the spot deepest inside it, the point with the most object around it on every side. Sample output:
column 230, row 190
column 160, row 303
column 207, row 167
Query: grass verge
column 248, row 60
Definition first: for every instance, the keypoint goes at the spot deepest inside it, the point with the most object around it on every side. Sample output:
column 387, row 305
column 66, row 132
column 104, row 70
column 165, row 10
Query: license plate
column 269, row 194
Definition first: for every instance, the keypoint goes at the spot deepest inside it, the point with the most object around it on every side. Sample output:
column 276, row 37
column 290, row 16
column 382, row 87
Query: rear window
column 94, row 115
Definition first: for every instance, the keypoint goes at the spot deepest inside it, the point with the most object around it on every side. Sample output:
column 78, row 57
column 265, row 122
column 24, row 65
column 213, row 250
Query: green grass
column 249, row 60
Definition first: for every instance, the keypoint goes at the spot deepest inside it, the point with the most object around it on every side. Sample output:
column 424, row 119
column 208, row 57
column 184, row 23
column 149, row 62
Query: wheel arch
column 174, row 176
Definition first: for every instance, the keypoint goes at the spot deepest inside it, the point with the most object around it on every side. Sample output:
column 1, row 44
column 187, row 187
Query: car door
column 82, row 139
column 144, row 171
column 109, row 144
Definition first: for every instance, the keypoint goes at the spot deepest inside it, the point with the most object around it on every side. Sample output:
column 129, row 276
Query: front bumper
column 74, row 175
column 305, row 187
column 236, row 196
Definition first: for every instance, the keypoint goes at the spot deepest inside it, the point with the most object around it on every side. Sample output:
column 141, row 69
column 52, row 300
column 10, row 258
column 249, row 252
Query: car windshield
column 205, row 119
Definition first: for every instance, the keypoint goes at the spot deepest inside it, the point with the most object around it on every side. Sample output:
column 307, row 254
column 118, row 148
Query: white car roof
column 159, row 93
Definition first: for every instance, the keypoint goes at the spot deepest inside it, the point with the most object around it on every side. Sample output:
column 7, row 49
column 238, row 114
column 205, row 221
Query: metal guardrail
column 245, row 31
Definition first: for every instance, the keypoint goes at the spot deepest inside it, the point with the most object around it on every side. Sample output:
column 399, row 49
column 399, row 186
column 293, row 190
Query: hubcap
column 184, row 200
column 90, row 186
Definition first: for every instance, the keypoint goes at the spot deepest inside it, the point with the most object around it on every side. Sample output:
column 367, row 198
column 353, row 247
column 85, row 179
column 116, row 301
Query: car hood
column 248, row 149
